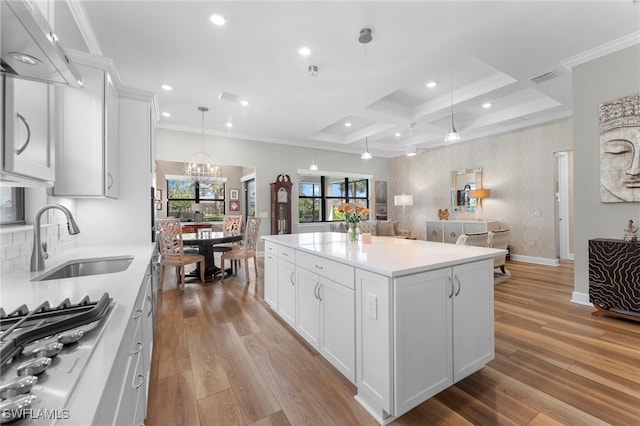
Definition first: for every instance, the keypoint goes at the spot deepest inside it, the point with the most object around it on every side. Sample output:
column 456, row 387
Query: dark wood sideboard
column 614, row 277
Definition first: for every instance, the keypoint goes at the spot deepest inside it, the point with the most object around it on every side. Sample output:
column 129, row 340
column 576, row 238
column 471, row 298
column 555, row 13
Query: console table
column 448, row 231
column 614, row 277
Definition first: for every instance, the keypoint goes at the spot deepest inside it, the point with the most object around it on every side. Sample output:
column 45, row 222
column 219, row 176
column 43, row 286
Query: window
column 182, row 194
column 320, row 196
column 12, row 206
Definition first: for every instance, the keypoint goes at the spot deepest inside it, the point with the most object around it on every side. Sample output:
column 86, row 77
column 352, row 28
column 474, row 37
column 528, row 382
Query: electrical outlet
column 372, row 306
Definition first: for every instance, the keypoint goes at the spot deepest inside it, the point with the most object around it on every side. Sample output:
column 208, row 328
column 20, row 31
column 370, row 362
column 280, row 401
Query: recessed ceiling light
column 166, row 87
column 398, row 134
column 229, row 124
column 431, row 84
column 304, row 51
column 244, row 103
column 218, row 19
column 486, row 105
column 347, row 124
column 166, row 114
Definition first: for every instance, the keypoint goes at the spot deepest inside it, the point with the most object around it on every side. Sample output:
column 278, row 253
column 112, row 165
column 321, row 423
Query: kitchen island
column 402, row 319
column 111, row 388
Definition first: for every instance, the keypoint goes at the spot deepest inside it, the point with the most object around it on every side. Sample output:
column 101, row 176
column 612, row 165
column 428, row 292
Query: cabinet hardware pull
column 291, row 279
column 140, row 347
column 138, row 314
column 140, row 378
column 451, row 283
column 110, row 181
column 315, row 290
column 459, row 286
column 26, row 143
column 319, row 267
column 150, row 306
column 453, row 234
column 319, row 288
column 285, row 254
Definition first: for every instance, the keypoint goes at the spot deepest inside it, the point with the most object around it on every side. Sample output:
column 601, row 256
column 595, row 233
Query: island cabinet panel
column 374, row 343
column 424, row 337
column 326, row 311
column 287, row 291
column 271, row 279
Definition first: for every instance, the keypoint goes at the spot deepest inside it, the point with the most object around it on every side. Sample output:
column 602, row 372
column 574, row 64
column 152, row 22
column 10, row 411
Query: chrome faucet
column 39, row 253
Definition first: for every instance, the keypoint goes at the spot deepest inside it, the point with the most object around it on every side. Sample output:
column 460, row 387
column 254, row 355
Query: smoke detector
column 313, row 70
column 365, row 36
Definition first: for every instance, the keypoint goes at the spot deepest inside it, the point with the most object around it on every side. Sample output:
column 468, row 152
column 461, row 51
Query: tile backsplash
column 17, row 243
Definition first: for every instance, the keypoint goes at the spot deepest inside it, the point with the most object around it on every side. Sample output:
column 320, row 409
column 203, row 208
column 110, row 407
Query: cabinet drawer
column 434, row 231
column 287, row 253
column 451, row 232
column 334, row 271
column 271, row 248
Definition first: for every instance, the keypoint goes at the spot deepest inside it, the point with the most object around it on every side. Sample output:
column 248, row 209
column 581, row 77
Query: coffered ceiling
column 515, row 55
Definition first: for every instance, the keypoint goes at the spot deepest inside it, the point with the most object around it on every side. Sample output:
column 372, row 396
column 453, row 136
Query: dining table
column 205, row 240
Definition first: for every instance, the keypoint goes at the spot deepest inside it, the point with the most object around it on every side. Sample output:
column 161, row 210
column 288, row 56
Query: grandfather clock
column 281, row 205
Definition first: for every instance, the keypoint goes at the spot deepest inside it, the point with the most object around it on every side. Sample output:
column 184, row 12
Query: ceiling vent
column 544, row 77
column 229, row 97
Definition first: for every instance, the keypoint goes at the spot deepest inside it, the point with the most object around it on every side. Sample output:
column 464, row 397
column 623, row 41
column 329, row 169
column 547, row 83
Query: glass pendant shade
column 202, row 167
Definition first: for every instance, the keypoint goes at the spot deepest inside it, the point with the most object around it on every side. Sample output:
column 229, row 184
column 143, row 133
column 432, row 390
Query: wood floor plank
column 220, row 409
column 209, row 376
column 222, row 357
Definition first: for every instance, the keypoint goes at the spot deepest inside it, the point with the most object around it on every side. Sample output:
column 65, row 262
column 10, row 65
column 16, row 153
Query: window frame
column 18, row 206
column 197, row 198
column 325, row 200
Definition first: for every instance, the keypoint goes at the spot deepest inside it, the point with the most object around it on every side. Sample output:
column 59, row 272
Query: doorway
column 564, row 204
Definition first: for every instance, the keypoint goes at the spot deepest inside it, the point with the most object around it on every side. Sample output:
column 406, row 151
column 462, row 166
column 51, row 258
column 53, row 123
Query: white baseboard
column 536, row 260
column 580, row 298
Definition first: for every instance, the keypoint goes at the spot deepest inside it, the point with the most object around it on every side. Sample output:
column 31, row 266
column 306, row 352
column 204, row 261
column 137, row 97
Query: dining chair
column 248, row 250
column 500, row 240
column 169, row 232
column 230, row 223
column 478, row 239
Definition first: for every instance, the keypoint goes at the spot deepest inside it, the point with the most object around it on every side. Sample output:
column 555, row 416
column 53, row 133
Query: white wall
column 605, row 79
column 269, row 160
column 518, row 168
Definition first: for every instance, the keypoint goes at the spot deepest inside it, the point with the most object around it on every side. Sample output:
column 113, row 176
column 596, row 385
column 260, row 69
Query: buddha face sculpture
column 620, row 150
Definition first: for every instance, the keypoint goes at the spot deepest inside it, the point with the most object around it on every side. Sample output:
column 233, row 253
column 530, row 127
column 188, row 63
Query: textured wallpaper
column 518, row 168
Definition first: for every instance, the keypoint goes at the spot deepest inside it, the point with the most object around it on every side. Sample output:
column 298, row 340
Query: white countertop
column 392, row 257
column 123, row 287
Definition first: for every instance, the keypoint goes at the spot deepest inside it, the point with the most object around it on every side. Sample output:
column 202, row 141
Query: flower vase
column 354, row 232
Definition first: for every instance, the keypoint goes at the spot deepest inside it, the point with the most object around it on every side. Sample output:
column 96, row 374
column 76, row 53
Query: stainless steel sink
column 84, row 267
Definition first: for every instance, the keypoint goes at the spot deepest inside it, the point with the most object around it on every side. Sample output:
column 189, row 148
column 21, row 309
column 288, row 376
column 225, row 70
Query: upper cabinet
column 27, row 154
column 87, row 132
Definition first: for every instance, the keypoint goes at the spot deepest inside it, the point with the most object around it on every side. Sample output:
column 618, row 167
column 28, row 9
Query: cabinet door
column 111, row 138
column 434, row 231
column 452, row 231
column 308, row 319
column 423, row 330
column 28, row 138
column 473, row 337
column 271, row 280
column 287, row 292
column 80, row 162
column 337, row 318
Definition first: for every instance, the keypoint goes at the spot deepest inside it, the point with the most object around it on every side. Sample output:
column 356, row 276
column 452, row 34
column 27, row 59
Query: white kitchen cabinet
column 287, row 285
column 448, row 231
column 87, row 134
column 271, row 275
column 454, row 307
column 326, row 310
column 124, row 399
column 28, row 134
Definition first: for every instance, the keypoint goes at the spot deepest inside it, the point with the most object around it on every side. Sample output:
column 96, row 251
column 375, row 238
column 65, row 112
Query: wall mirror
column 463, row 181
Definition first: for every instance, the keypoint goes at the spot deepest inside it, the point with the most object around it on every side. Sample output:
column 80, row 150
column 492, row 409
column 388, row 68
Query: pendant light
column 202, row 167
column 411, row 149
column 453, row 135
column 313, row 165
column 365, row 37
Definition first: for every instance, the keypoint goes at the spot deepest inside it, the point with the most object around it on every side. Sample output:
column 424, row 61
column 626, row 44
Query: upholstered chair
column 500, row 240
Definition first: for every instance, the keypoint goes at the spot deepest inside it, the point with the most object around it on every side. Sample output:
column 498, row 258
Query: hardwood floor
column 221, row 358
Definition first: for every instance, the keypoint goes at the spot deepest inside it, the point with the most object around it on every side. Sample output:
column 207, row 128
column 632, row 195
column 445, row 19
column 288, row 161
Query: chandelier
column 202, row 167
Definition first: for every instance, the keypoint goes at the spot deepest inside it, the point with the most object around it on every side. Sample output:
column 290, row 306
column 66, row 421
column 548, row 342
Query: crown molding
column 602, row 50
